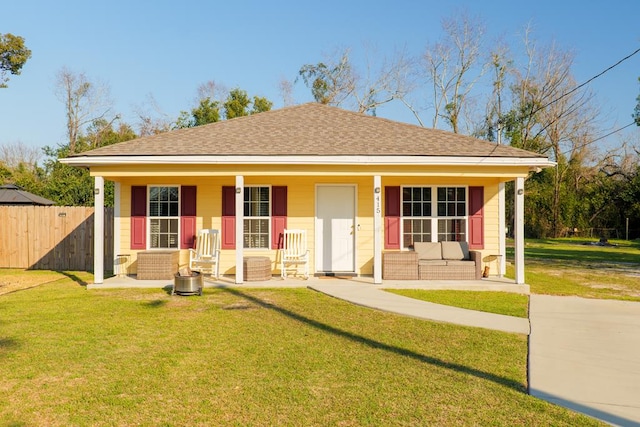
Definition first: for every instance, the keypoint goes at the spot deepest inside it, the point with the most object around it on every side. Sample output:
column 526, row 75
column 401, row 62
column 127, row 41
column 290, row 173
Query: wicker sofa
column 433, row 261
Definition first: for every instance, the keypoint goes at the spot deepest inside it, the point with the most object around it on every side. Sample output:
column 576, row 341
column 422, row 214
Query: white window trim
column 268, row 218
column 434, row 210
column 149, row 217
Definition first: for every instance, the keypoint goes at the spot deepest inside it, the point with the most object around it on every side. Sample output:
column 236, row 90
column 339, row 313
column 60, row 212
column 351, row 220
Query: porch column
column 502, row 243
column 239, row 228
column 116, row 227
column 518, row 231
column 377, row 228
column 98, row 230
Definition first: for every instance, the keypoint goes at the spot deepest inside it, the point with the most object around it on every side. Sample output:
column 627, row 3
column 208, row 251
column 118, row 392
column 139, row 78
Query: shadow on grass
column 383, row 346
column 157, row 303
column 75, row 278
column 8, row 344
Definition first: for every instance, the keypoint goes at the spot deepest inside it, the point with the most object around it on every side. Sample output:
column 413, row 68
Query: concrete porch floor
column 492, row 283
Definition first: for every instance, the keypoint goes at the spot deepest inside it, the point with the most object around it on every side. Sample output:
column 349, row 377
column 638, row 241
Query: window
column 426, row 220
column 452, row 205
column 257, row 217
column 416, row 212
column 164, row 219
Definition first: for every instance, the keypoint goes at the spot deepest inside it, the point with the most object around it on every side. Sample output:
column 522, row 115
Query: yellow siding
column 125, row 172
column 301, row 210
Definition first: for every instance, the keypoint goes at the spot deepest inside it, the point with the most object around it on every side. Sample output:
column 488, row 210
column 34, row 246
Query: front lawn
column 72, row 356
column 509, row 304
column 578, row 267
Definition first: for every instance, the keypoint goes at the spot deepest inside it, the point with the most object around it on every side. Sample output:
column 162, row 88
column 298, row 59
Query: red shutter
column 278, row 216
column 392, row 218
column 228, row 218
column 187, row 216
column 476, row 217
column 138, row 217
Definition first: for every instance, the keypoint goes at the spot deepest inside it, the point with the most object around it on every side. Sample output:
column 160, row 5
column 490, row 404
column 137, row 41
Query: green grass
column 71, row 356
column 493, row 302
column 570, row 267
column 583, row 251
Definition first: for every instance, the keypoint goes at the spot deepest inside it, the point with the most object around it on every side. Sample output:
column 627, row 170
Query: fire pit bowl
column 187, row 285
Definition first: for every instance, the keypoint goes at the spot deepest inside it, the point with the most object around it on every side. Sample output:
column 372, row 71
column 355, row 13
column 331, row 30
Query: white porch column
column 98, row 230
column 116, row 228
column 377, row 228
column 239, row 228
column 502, row 230
column 518, row 231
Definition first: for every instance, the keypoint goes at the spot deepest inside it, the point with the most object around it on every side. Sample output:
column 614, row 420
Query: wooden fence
column 52, row 237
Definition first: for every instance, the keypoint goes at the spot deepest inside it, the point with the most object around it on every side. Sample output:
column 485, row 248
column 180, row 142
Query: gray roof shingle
column 309, row 130
column 11, row 194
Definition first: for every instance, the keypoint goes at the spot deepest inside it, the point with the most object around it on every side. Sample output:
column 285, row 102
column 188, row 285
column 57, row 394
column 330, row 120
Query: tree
column 636, row 112
column 337, row 82
column 285, row 87
column 330, row 83
column 19, row 165
column 207, row 111
column 237, row 104
column 261, row 105
column 155, row 121
column 13, row 155
column 71, row 186
column 13, row 55
column 547, row 115
column 84, row 102
column 449, row 65
column 502, row 65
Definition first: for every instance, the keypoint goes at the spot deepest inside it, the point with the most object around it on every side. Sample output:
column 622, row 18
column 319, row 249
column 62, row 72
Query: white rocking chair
column 294, row 251
column 206, row 256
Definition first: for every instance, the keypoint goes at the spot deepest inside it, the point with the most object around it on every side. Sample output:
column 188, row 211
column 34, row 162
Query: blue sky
column 167, row 49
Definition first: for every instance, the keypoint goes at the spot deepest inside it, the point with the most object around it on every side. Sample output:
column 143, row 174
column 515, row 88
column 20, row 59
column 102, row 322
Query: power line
column 582, row 85
column 599, row 138
column 586, row 83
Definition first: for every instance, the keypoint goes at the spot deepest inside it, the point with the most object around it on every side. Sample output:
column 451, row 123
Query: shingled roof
column 11, row 194
column 309, row 130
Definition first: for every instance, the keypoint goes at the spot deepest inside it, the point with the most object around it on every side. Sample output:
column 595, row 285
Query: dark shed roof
column 11, row 194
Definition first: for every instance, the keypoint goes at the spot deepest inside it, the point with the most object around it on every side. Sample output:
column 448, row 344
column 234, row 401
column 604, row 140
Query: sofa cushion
column 455, row 250
column 428, row 250
column 424, row 262
column 456, row 262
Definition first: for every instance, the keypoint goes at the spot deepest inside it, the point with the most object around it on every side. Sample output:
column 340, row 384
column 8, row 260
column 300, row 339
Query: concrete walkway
column 373, row 296
column 585, row 355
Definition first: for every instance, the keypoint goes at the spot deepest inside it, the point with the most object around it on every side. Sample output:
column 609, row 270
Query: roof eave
column 89, row 161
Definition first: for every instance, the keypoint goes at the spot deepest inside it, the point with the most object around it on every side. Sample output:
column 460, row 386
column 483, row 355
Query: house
column 360, row 185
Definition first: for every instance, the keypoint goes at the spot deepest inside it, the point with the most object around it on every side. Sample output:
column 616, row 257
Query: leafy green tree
column 260, row 105
column 207, row 111
column 237, row 104
column 71, row 186
column 13, row 55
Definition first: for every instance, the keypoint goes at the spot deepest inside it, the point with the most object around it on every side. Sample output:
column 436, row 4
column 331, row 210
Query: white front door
column 335, row 228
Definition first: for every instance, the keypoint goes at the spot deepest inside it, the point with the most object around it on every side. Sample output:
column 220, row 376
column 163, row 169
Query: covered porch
column 496, row 284
column 373, row 232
